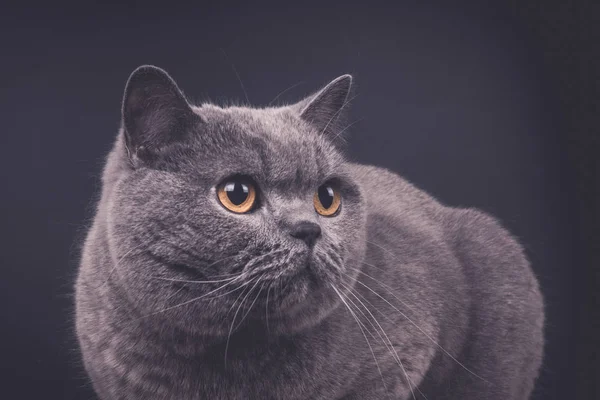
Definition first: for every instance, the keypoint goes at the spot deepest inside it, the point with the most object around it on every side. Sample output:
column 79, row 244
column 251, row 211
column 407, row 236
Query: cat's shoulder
column 385, row 190
column 371, row 175
column 485, row 242
column 388, row 193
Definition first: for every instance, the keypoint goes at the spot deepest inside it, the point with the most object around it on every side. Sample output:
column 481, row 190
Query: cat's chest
column 246, row 371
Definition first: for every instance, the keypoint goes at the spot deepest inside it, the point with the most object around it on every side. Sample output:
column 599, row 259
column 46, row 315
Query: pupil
column 237, row 192
column 326, row 196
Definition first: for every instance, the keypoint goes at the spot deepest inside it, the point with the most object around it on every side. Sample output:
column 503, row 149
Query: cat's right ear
column 155, row 113
column 324, row 110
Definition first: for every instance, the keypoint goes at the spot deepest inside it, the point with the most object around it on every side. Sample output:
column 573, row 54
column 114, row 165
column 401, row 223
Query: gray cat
column 236, row 254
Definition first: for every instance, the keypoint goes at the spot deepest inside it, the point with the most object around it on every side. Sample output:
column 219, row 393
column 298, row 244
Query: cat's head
column 221, row 212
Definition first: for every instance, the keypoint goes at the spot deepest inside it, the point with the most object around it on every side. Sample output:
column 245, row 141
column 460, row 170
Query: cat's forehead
column 281, row 148
column 275, row 124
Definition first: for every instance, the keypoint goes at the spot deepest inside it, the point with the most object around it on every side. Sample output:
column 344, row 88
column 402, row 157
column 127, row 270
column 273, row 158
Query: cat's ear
column 324, row 109
column 155, row 113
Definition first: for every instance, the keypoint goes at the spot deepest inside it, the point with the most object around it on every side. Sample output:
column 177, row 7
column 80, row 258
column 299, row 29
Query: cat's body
column 445, row 300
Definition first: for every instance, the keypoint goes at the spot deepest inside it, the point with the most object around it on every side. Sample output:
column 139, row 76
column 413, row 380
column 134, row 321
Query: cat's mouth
column 294, row 287
column 298, row 267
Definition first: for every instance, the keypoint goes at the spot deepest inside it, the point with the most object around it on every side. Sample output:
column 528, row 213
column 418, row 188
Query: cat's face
column 236, row 212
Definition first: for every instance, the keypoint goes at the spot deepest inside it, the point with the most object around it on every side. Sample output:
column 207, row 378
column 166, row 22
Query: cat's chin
column 296, row 291
column 300, row 304
column 300, row 314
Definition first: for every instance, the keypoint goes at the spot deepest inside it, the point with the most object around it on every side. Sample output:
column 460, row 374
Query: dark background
column 493, row 107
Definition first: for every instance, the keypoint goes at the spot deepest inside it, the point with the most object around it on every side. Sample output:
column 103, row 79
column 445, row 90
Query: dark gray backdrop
column 467, row 103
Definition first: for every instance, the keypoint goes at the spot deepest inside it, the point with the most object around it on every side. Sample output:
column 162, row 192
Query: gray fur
column 451, row 289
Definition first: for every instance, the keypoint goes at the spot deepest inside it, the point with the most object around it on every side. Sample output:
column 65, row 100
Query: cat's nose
column 307, row 231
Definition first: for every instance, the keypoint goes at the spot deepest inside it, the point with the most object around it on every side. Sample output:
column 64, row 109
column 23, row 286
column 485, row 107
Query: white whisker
column 284, row 91
column 235, row 315
column 188, row 301
column 391, row 346
column 251, row 305
column 381, row 247
column 346, row 128
column 360, row 326
column 238, row 76
column 191, row 281
column 412, row 322
column 267, row 307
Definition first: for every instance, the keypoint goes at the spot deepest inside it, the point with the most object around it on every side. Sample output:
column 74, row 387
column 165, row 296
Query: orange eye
column 237, row 195
column 327, row 200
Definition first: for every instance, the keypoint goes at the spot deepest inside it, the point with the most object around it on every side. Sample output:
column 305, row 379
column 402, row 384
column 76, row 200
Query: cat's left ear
column 324, row 109
column 155, row 113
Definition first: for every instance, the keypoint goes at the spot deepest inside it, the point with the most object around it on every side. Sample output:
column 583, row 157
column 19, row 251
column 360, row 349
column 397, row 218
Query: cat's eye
column 237, row 194
column 327, row 200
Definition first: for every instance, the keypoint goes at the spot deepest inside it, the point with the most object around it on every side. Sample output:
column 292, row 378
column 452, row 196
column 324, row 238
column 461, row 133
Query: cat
column 236, row 253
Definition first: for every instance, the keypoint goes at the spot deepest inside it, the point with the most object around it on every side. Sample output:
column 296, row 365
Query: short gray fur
column 447, row 303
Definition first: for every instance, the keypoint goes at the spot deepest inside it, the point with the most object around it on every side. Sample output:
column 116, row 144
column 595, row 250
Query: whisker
column 226, row 293
column 189, row 281
column 284, row 91
column 362, row 331
column 238, row 76
column 387, row 287
column 391, row 346
column 382, row 248
column 267, row 307
column 234, row 317
column 186, row 302
column 175, row 293
column 346, row 128
column 251, row 305
column 229, row 276
column 185, row 248
column 413, row 323
column 367, row 318
column 237, row 298
column 390, row 289
column 222, row 259
column 259, row 269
